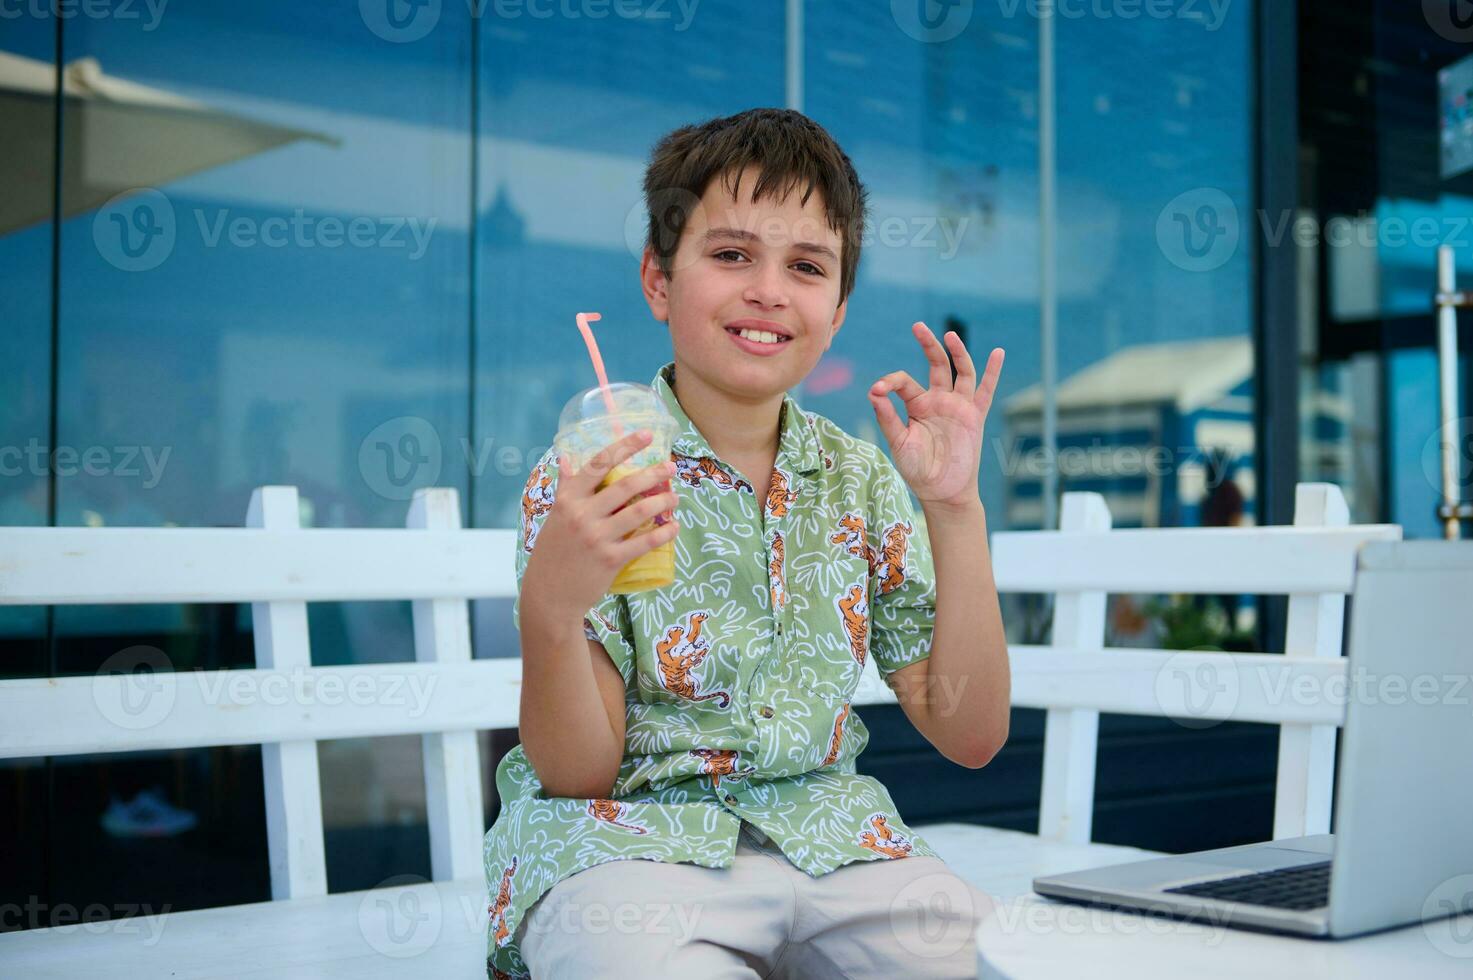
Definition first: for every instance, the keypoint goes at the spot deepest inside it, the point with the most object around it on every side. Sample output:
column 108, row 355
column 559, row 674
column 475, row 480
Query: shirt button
column 779, row 629
column 766, row 711
column 731, row 799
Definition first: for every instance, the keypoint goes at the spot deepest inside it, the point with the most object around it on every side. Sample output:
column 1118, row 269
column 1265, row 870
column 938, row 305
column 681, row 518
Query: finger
column 966, row 371
column 627, row 489
column 988, row 387
column 641, row 544
column 889, row 420
column 606, row 459
column 640, row 510
column 936, row 354
column 901, row 383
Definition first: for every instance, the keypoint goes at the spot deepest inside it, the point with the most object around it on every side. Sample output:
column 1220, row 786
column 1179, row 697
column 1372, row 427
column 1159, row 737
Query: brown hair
column 788, row 148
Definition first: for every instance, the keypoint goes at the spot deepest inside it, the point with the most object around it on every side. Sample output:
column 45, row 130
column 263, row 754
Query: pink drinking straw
column 598, row 369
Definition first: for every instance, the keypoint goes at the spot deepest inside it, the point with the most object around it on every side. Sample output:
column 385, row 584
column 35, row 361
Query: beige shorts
column 761, row 917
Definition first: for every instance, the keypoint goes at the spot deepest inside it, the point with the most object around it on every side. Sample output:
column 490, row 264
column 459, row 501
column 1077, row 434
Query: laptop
column 1404, row 805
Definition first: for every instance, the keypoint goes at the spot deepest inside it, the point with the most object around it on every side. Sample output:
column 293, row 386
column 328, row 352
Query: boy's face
column 772, row 265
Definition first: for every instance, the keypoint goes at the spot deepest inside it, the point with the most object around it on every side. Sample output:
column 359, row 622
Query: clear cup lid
column 634, row 404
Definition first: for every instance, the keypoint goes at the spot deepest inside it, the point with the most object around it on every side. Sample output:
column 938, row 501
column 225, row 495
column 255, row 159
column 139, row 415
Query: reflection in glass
column 27, row 155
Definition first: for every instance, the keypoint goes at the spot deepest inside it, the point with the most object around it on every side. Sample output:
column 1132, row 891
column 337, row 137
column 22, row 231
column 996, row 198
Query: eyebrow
column 743, row 235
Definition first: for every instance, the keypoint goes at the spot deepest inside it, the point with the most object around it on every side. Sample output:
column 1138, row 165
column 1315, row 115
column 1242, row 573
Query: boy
column 684, row 800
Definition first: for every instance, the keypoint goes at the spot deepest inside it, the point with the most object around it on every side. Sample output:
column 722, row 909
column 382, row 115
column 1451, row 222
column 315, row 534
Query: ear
column 656, row 285
column 838, row 321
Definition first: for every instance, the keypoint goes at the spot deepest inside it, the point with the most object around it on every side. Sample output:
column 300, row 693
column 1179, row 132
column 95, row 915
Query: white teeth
column 760, row 336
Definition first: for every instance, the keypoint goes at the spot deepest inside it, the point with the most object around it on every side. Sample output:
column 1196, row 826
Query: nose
column 766, row 287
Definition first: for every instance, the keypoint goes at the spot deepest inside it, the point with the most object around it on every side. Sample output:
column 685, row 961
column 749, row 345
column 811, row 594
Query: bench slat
column 452, row 764
column 174, row 710
column 1304, row 778
column 70, row 566
column 1255, row 561
column 104, row 565
column 1192, row 685
column 245, row 707
column 1071, row 735
column 404, row 930
column 293, row 787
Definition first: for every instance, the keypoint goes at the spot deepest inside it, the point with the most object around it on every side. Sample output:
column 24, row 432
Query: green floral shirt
column 738, row 676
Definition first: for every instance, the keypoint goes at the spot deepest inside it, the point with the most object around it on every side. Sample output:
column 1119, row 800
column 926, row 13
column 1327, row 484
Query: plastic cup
column 587, row 427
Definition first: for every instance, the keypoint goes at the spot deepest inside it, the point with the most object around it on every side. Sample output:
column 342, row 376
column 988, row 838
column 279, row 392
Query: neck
column 736, row 427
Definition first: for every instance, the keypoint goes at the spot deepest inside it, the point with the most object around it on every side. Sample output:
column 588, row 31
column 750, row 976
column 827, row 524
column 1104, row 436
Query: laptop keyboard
column 1304, row 887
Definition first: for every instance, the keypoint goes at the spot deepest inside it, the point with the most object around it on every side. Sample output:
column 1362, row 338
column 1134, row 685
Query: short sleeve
column 903, row 603
column 608, row 621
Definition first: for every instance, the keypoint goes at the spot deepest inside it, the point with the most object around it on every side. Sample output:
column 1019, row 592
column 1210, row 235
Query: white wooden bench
column 416, row 928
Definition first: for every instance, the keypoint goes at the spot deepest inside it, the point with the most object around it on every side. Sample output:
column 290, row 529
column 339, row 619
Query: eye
column 809, row 268
column 727, row 251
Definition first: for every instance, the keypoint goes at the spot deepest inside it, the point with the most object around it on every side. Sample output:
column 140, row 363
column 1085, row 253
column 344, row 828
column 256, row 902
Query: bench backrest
column 1075, row 677
column 287, row 706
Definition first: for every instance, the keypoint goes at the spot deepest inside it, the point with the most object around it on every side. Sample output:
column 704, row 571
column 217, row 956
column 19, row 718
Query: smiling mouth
column 759, row 336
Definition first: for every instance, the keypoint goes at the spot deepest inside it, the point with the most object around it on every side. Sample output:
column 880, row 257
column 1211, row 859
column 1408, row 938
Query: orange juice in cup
column 594, row 419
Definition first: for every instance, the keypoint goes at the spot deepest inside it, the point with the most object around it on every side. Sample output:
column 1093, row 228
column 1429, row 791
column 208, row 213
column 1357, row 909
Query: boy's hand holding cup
column 611, row 528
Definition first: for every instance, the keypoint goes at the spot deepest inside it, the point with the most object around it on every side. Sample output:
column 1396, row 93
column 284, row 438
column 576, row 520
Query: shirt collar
column 797, row 450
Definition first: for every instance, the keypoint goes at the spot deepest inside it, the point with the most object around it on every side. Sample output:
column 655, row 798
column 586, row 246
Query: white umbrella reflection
column 117, row 136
